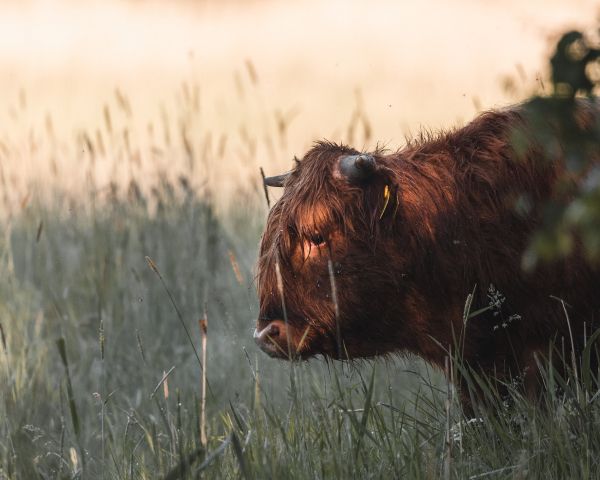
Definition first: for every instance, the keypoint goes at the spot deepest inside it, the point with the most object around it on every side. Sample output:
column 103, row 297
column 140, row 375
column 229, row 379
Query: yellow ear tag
column 386, row 197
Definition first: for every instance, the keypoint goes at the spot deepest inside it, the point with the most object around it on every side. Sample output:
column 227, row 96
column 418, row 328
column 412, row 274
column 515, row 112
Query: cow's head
column 327, row 270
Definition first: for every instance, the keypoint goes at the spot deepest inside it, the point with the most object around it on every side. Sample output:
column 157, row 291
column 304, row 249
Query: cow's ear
column 357, row 169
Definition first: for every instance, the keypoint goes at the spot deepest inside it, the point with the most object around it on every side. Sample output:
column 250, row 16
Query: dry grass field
column 249, row 83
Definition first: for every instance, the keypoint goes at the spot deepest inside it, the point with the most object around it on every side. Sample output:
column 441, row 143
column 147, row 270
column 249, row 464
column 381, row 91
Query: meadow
column 125, row 230
column 102, row 295
column 101, row 302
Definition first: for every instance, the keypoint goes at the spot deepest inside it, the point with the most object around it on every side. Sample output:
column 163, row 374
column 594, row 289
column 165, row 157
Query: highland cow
column 369, row 254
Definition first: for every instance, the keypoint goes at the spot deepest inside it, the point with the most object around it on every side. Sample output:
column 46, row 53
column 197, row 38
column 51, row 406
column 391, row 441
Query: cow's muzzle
column 274, row 341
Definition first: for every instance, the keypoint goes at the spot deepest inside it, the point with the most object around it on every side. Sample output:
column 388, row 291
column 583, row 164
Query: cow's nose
column 272, row 339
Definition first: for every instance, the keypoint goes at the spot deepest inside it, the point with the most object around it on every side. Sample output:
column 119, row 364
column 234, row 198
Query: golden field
column 242, row 84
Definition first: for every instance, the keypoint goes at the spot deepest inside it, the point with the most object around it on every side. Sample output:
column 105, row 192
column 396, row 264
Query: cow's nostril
column 274, row 330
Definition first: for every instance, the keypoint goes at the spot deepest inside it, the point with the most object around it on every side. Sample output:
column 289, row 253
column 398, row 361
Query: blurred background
column 267, row 78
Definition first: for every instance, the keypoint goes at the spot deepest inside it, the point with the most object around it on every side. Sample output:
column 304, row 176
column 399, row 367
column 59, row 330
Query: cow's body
column 405, row 244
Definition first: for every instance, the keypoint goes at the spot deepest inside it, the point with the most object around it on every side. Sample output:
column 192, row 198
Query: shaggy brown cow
column 369, row 254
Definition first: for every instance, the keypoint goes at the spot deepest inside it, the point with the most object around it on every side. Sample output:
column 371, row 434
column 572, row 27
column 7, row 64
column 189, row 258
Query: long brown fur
column 403, row 266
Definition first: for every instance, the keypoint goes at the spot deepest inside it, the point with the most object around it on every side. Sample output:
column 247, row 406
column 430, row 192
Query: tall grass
column 103, row 292
column 91, row 330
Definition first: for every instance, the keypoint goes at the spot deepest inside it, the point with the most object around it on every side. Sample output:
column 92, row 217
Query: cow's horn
column 357, row 168
column 277, row 180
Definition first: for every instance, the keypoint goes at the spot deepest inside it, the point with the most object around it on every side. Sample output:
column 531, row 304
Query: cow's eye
column 317, row 240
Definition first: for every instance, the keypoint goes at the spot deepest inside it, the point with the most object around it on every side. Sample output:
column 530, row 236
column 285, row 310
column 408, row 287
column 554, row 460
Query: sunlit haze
column 252, row 65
